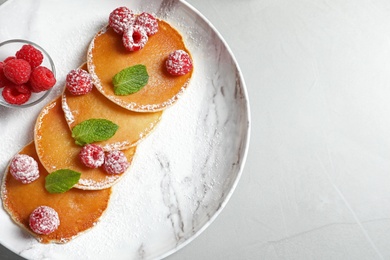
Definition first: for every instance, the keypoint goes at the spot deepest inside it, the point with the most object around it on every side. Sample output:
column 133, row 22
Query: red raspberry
column 148, row 22
column 178, row 63
column 24, row 168
column 79, row 82
column 30, row 54
column 3, row 79
column 9, row 58
column 17, row 71
column 120, row 19
column 44, row 220
column 41, row 79
column 92, row 156
column 16, row 94
column 115, row 162
column 135, row 38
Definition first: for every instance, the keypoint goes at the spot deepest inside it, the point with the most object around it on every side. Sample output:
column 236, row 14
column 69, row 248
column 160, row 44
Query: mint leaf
column 93, row 130
column 130, row 80
column 61, row 181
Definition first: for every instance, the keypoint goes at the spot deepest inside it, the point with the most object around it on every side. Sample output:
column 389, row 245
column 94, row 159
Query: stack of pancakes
column 53, row 147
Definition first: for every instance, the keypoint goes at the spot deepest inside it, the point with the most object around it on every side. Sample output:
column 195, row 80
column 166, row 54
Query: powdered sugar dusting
column 117, row 146
column 133, row 106
column 3, row 188
column 148, row 22
column 115, row 162
column 44, row 220
column 134, row 38
column 24, row 168
column 179, row 63
column 79, row 82
column 43, row 113
column 92, row 156
column 90, row 184
column 120, row 19
column 69, row 117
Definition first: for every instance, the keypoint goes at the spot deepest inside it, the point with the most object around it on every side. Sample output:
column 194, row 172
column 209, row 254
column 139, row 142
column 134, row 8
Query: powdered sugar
column 90, row 184
column 148, row 22
column 134, row 38
column 129, row 105
column 24, row 168
column 134, row 106
column 117, row 146
column 79, row 82
column 120, row 19
column 44, row 220
column 115, row 162
column 92, row 156
column 67, row 112
column 178, row 63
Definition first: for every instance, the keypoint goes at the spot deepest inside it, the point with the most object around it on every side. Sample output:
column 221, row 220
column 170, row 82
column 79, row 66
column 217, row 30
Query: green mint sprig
column 130, row 80
column 61, row 181
column 93, row 130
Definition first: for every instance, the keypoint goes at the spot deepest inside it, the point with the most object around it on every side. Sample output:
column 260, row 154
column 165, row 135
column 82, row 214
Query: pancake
column 107, row 56
column 56, row 149
column 133, row 126
column 78, row 210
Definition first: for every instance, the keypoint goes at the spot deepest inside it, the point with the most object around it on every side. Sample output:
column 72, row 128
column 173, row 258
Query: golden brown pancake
column 78, row 210
column 56, row 149
column 107, row 56
column 133, row 126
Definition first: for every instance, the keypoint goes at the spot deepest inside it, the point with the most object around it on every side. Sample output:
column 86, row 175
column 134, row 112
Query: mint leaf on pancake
column 93, row 130
column 61, row 181
column 130, row 80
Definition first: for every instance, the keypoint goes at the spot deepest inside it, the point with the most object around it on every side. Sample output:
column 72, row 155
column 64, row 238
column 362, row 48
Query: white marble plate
column 184, row 172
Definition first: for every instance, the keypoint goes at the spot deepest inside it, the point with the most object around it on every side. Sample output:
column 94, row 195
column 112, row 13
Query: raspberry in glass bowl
column 27, row 73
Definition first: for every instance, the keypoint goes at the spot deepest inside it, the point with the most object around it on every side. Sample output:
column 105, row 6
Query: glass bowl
column 9, row 48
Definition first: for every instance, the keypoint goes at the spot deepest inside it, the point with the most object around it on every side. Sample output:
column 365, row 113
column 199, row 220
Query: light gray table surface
column 316, row 184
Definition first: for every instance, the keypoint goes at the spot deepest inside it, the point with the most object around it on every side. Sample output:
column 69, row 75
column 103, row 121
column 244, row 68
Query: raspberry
column 30, row 54
column 135, row 38
column 120, row 19
column 3, row 79
column 178, row 63
column 24, row 168
column 148, row 22
column 115, row 162
column 16, row 94
column 92, row 156
column 17, row 71
column 9, row 58
column 79, row 82
column 41, row 79
column 44, row 220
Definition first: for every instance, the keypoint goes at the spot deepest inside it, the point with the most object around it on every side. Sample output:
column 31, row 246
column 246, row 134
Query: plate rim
column 245, row 141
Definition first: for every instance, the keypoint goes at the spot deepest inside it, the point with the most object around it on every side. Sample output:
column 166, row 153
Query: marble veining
column 166, row 8
column 170, row 199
